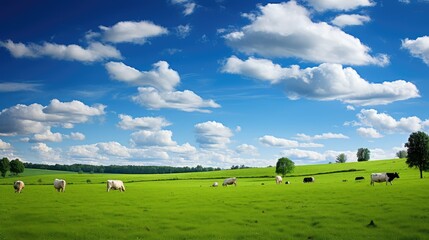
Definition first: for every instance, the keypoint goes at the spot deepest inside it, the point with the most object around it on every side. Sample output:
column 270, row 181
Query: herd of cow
column 60, row 184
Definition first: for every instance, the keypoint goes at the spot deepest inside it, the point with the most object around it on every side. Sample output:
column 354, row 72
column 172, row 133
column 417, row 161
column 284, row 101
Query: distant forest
column 129, row 169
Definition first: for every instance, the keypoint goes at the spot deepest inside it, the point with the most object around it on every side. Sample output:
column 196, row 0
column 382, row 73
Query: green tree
column 418, row 151
column 4, row 166
column 363, row 154
column 284, row 165
column 342, row 158
column 16, row 167
column 402, row 154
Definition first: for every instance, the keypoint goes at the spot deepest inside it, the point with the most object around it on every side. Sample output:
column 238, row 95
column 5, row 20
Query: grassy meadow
column 184, row 206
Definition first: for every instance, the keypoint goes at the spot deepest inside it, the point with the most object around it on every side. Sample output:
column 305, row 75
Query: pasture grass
column 154, row 207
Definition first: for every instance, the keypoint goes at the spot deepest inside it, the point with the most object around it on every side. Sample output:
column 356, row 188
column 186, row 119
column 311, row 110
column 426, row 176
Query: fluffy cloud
column 325, row 82
column 304, row 137
column 77, row 136
column 152, row 138
column 186, row 100
column 350, row 20
column 47, row 136
column 311, row 41
column 384, row 122
column 4, row 145
column 144, row 123
column 247, row 150
column 212, row 134
column 94, row 52
column 278, row 142
column 369, row 132
column 18, row 87
column 418, row 48
column 161, row 76
column 157, row 88
column 37, row 119
column 272, row 141
column 303, row 154
column 323, row 5
column 189, row 6
column 47, row 153
column 135, row 32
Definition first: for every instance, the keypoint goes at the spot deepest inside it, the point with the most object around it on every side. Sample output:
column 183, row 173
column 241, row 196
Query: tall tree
column 284, row 165
column 4, row 166
column 16, row 167
column 342, row 158
column 418, row 151
column 363, row 154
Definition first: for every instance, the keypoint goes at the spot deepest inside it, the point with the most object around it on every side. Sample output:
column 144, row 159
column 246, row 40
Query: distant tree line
column 238, row 167
column 126, row 169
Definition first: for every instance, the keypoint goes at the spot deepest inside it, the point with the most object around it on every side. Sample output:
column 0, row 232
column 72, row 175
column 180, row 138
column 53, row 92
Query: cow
column 359, row 178
column 115, row 185
column 18, row 186
column 279, row 179
column 215, row 184
column 230, row 181
column 287, row 182
column 383, row 177
column 308, row 180
column 60, row 185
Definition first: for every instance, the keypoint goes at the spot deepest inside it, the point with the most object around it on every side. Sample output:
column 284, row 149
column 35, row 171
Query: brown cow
column 18, row 185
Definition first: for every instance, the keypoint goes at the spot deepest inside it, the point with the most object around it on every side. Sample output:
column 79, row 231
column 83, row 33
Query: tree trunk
column 421, row 172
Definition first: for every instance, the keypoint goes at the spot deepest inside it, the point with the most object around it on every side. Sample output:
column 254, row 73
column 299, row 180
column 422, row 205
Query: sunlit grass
column 190, row 209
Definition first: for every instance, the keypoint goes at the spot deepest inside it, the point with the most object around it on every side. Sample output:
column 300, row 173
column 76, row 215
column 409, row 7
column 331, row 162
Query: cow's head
column 396, row 175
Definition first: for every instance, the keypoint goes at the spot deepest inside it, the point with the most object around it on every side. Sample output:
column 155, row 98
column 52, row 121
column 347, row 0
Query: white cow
column 383, row 177
column 279, row 179
column 60, row 185
column 215, row 184
column 230, row 181
column 115, row 185
column 18, row 185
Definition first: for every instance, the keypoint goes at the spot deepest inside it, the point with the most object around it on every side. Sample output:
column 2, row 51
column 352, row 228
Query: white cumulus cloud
column 384, row 122
column 37, row 119
column 94, row 52
column 152, row 138
column 134, row 32
column 185, row 100
column 161, row 76
column 324, row 5
column 4, row 145
column 212, row 134
column 369, row 132
column 247, row 149
column 344, row 20
column 418, row 48
column 302, row 38
column 143, row 123
column 325, row 82
column 305, row 137
column 272, row 141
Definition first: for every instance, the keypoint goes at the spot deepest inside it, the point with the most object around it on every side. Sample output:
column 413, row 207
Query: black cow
column 359, row 178
column 308, row 180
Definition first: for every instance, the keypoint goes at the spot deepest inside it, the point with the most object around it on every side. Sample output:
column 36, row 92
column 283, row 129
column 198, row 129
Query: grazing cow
column 279, row 179
column 383, row 177
column 115, row 185
column 230, row 181
column 287, row 182
column 308, row 180
column 359, row 178
column 18, row 185
column 60, row 185
column 215, row 184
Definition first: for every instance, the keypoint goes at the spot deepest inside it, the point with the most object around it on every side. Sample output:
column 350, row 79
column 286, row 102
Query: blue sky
column 215, row 83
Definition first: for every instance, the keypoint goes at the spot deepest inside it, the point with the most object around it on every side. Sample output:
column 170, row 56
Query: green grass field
column 183, row 206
